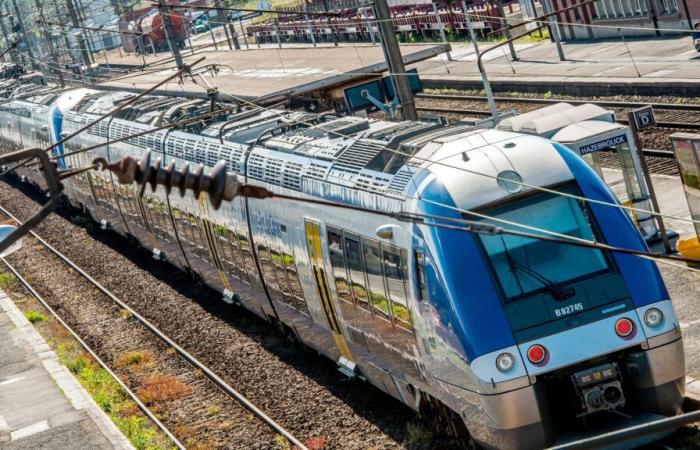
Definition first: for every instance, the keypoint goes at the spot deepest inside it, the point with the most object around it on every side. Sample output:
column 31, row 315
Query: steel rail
column 610, row 103
column 659, row 124
column 213, row 377
column 94, row 355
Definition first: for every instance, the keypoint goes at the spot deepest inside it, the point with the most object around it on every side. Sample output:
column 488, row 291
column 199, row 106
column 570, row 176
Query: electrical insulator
column 217, row 183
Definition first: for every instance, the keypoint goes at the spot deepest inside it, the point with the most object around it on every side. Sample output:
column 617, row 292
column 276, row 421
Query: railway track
column 668, row 115
column 300, row 389
column 191, row 404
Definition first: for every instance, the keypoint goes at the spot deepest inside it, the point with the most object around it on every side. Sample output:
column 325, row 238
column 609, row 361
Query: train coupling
column 599, row 389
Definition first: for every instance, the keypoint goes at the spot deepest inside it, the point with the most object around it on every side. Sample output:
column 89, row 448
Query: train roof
column 296, row 150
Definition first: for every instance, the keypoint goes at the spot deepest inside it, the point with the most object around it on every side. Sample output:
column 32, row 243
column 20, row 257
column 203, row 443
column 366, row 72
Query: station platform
column 41, row 403
column 652, row 66
column 269, row 72
column 641, row 66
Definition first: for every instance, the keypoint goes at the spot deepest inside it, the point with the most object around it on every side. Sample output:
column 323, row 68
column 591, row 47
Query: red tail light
column 536, row 354
column 624, row 327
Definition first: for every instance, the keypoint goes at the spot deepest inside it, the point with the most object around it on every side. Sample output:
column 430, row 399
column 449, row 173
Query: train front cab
column 559, row 340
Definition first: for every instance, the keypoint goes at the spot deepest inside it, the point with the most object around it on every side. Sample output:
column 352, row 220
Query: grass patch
column 281, row 443
column 113, row 400
column 104, row 389
column 135, row 359
column 34, row 316
column 7, row 280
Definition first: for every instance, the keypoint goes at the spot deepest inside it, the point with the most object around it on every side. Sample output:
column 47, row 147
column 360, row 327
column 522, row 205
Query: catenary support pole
column 47, row 38
column 25, row 37
column 170, row 36
column 87, row 60
column 392, row 52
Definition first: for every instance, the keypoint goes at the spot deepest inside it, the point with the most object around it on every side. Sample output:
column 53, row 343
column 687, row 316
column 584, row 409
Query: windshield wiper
column 558, row 293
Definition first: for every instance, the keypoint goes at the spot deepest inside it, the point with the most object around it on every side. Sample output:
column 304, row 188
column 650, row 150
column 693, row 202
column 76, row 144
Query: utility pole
column 25, row 38
column 392, row 52
column 87, row 60
column 169, row 35
column 47, row 38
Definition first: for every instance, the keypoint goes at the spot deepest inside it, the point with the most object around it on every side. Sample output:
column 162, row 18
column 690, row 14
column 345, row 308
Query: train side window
column 267, row 269
column 420, row 276
column 280, row 273
column 293, row 275
column 336, row 250
column 394, row 271
column 357, row 278
column 375, row 278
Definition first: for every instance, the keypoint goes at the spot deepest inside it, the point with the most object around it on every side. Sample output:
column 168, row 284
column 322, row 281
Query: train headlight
column 653, row 317
column 505, row 362
column 624, row 327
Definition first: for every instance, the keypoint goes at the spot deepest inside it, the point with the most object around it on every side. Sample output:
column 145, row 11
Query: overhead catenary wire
column 399, row 153
column 123, row 105
column 548, row 234
column 223, row 111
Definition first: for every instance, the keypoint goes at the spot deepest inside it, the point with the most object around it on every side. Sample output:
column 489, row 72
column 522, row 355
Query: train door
column 313, row 244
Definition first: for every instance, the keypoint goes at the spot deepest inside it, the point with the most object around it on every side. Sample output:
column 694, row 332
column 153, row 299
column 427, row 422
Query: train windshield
column 526, row 266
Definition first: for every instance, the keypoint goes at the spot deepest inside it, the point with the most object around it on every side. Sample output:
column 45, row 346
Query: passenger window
column 394, row 272
column 373, row 266
column 420, row 276
column 280, row 272
column 267, row 269
column 357, row 277
column 337, row 254
column 297, row 292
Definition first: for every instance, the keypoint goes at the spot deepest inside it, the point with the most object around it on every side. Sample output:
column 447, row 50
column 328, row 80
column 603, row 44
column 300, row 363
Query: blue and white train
column 522, row 342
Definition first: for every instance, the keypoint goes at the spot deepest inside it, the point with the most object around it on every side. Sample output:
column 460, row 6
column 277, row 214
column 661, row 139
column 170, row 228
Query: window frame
column 342, row 253
column 403, row 274
column 374, row 244
column 366, row 305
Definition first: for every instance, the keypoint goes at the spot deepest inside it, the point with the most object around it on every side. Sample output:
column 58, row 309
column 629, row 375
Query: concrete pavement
column 41, row 403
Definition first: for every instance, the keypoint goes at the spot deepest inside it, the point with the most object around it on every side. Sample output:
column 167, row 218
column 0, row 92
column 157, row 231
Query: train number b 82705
column 570, row 309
